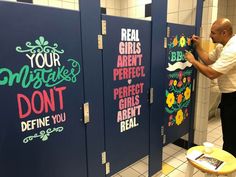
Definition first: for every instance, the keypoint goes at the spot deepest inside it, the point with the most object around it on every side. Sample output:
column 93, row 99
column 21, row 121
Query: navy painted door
column 41, row 91
column 179, row 83
column 126, row 66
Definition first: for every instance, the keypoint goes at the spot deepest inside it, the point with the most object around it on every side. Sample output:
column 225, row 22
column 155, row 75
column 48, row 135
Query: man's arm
column 204, row 69
column 203, row 55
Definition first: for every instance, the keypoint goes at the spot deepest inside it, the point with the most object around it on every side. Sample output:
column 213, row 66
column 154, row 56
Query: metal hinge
column 168, row 31
column 104, row 27
column 162, row 130
column 193, row 85
column 100, row 42
column 86, row 113
column 164, row 139
column 107, row 168
column 165, row 42
column 104, row 157
column 151, row 96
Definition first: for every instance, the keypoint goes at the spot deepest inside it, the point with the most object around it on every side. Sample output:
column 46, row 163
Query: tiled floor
column 174, row 161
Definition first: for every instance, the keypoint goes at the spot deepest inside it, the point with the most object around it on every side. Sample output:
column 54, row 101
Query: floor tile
column 165, row 156
column 213, row 135
column 116, row 175
column 173, row 146
column 168, row 150
column 145, row 159
column 166, row 168
column 140, row 167
column 181, row 155
column 173, row 162
column 176, row 173
column 129, row 172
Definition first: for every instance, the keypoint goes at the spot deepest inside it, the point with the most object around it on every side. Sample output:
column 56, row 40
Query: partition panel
column 179, row 82
column 126, row 72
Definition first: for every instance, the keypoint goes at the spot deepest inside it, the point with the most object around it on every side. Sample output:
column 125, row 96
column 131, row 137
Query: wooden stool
column 228, row 168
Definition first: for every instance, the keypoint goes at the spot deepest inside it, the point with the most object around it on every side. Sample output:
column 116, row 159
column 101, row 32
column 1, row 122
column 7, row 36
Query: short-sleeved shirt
column 225, row 63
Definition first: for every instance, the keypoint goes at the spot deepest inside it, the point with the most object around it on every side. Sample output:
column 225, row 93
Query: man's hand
column 189, row 56
column 196, row 40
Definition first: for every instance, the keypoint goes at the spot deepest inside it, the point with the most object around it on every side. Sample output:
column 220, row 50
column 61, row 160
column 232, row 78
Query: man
column 221, row 64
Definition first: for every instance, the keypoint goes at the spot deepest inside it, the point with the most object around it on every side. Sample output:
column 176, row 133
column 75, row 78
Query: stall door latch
column 86, row 113
column 104, row 27
column 108, row 168
column 100, row 42
column 151, row 95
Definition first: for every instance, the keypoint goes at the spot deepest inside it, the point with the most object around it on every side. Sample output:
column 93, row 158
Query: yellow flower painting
column 179, row 117
column 170, row 99
column 187, row 93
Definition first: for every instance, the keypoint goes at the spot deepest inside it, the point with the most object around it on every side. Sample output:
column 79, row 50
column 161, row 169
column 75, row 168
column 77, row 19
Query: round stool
column 228, row 168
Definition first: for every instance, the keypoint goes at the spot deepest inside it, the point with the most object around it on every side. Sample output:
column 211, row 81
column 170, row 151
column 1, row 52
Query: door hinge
column 151, row 95
column 168, row 31
column 165, row 42
column 164, row 139
column 107, row 168
column 104, row 157
column 100, row 42
column 193, row 85
column 86, row 113
column 162, row 130
column 104, row 27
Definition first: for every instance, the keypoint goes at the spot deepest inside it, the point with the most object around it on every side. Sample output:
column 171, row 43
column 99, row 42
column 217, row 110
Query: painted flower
column 169, row 124
column 171, row 82
column 180, row 75
column 180, row 83
column 187, row 93
column 170, row 117
column 189, row 41
column 189, row 79
column 182, row 41
column 179, row 98
column 175, row 82
column 175, row 41
column 184, row 79
column 170, row 99
column 179, row 117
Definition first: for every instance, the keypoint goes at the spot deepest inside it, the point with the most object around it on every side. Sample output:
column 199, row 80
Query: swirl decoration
column 43, row 135
column 41, row 46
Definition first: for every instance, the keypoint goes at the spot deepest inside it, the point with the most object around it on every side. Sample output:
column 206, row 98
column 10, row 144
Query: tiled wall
column 202, row 104
column 227, row 9
column 65, row 4
column 126, row 8
column 181, row 11
column 222, row 8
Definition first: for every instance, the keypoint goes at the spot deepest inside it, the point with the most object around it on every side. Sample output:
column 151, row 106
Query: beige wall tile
column 173, row 17
column 110, row 4
column 140, row 11
column 185, row 5
column 103, row 3
column 185, row 17
column 68, row 5
column 55, row 3
column 124, row 12
column 172, row 6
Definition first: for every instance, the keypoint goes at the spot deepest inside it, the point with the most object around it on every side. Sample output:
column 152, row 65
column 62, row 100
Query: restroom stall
column 42, row 133
column 77, row 101
column 180, row 78
column 126, row 72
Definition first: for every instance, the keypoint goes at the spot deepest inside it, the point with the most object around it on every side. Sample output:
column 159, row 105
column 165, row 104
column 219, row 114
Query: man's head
column 221, row 31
